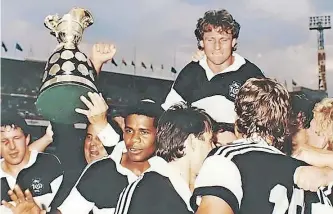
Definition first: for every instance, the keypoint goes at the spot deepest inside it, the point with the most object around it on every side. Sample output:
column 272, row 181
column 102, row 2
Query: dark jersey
column 156, row 192
column 216, row 93
column 42, row 175
column 253, row 178
column 100, row 185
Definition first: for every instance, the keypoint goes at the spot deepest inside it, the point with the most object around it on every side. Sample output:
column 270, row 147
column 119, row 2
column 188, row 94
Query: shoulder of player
column 105, row 165
column 190, row 69
column 252, row 69
column 152, row 183
column 51, row 160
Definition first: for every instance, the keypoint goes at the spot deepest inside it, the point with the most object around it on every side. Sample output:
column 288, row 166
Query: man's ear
column 27, row 139
column 202, row 43
column 234, row 43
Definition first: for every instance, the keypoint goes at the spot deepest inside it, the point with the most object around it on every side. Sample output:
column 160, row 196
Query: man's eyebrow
column 144, row 129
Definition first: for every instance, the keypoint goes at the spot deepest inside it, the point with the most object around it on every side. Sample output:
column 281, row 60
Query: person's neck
column 136, row 167
column 182, row 166
column 14, row 170
column 219, row 68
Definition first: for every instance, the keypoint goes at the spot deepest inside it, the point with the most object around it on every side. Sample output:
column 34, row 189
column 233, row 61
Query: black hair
column 14, row 119
column 146, row 108
column 174, row 127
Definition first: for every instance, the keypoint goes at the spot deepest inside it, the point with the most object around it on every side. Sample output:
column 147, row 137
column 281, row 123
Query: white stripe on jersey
column 328, row 189
column 126, row 196
column 230, row 151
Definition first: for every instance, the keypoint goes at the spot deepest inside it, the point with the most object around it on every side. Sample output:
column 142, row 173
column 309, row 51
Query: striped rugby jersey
column 197, row 85
column 42, row 175
column 253, row 177
column 160, row 190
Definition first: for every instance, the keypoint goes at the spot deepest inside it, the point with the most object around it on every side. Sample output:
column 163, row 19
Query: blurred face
column 14, row 145
column 139, row 137
column 202, row 146
column 314, row 139
column 93, row 147
column 218, row 47
column 223, row 138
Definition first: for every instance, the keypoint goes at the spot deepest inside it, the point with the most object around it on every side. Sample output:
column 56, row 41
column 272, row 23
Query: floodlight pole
column 320, row 23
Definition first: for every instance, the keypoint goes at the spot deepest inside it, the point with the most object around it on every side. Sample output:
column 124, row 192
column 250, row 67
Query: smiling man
column 93, row 147
column 102, row 181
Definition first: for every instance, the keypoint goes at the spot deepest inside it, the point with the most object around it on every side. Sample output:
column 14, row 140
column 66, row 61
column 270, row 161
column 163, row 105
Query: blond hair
column 323, row 115
column 263, row 108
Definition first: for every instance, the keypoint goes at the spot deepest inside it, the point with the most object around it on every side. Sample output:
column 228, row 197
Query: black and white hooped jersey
column 157, row 191
column 196, row 84
column 100, row 185
column 253, row 177
column 42, row 175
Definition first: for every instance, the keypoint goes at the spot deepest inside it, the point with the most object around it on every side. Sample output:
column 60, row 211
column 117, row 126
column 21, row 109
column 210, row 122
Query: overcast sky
column 274, row 33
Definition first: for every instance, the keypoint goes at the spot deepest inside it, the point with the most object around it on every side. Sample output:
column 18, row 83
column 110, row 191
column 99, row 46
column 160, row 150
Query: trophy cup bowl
column 68, row 72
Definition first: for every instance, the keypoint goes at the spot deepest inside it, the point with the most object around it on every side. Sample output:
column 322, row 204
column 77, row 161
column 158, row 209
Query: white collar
column 156, row 163
column 258, row 140
column 32, row 160
column 238, row 62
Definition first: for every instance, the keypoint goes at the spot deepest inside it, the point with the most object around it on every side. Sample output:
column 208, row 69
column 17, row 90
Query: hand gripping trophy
column 68, row 72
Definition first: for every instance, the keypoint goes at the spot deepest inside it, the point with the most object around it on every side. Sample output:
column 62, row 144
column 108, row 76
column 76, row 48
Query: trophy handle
column 87, row 19
column 51, row 22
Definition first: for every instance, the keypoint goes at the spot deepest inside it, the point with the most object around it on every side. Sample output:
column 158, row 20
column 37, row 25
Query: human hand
column 101, row 53
column 198, row 56
column 24, row 202
column 96, row 112
column 310, row 178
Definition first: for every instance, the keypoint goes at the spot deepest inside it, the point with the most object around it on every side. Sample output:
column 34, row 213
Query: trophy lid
column 70, row 27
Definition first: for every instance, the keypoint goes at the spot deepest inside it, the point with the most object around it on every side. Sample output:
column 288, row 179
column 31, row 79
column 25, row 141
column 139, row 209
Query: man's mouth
column 13, row 155
column 135, row 150
column 94, row 153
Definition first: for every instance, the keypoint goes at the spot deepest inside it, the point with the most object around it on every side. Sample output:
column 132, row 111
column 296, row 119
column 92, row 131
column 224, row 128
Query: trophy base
column 57, row 103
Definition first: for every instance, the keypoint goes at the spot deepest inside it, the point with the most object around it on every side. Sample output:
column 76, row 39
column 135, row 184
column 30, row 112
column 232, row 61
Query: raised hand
column 198, row 56
column 24, row 202
column 97, row 110
column 49, row 133
column 101, row 53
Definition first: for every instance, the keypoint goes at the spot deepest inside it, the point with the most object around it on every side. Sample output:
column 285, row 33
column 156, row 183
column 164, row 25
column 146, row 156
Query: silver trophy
column 68, row 72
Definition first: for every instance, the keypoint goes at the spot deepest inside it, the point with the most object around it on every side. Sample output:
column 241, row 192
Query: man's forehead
column 220, row 31
column 138, row 118
column 8, row 128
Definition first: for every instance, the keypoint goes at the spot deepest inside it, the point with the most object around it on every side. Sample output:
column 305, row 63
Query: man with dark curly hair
column 252, row 175
column 213, row 83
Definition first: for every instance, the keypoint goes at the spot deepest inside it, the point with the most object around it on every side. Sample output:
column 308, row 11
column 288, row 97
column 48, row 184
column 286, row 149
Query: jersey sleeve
column 218, row 177
column 75, row 203
column 75, row 196
column 179, row 88
column 109, row 136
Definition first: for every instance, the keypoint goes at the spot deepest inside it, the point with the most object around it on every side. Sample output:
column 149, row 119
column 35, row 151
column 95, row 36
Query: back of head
column 323, row 115
column 220, row 20
column 174, row 127
column 301, row 110
column 14, row 119
column 263, row 108
column 146, row 108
